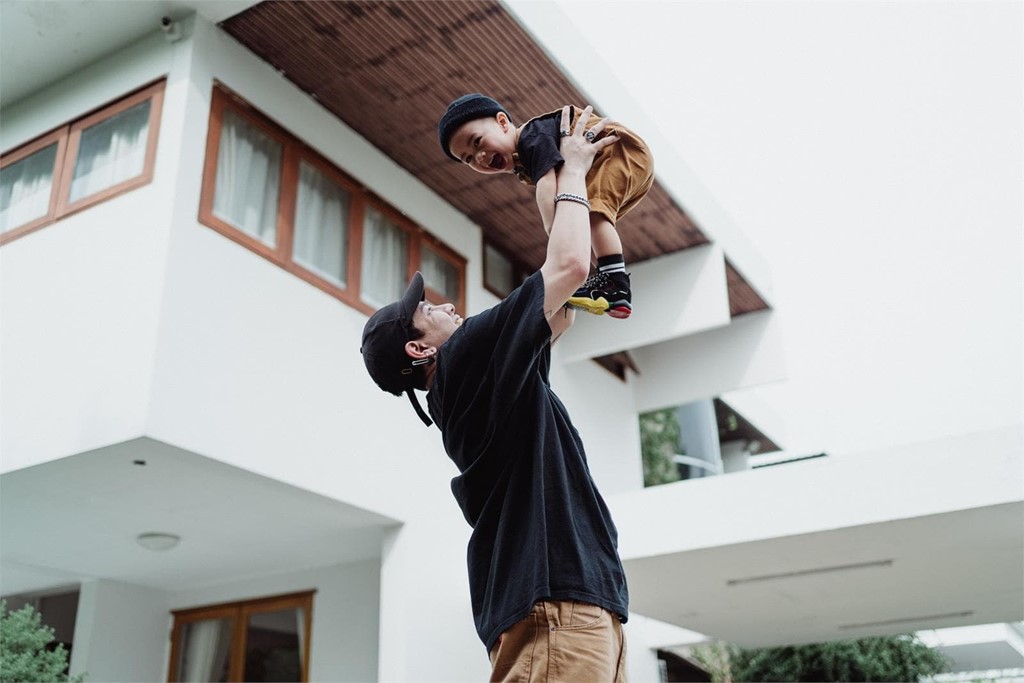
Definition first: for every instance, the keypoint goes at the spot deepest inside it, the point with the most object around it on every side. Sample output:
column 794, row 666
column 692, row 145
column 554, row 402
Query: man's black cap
column 383, row 346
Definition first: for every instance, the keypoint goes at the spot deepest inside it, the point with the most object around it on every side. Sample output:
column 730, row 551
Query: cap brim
column 412, row 297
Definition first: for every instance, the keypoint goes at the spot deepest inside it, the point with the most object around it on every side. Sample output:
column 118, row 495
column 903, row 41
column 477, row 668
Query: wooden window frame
column 519, row 271
column 239, row 611
column 442, row 250
column 294, row 151
column 68, row 137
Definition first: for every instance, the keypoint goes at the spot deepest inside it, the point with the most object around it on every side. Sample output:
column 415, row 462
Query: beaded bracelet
column 569, row 197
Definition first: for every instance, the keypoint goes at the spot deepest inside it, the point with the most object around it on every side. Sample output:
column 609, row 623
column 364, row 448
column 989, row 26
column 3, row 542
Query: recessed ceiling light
column 155, row 540
column 810, row 572
column 907, row 620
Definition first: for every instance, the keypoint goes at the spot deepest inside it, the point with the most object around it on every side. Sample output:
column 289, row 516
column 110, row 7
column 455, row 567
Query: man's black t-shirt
column 540, row 528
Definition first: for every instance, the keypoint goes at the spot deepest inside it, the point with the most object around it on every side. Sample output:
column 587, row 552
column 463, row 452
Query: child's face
column 486, row 145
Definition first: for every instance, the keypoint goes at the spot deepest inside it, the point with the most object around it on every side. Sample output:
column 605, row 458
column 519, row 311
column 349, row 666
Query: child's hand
column 581, row 146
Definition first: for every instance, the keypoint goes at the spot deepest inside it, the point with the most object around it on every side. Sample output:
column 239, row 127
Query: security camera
column 171, row 29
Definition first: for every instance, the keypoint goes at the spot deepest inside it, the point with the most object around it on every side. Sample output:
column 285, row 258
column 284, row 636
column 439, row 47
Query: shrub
column 25, row 654
column 884, row 658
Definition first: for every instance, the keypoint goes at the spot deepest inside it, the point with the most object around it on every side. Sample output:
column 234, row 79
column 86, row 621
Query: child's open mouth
column 497, row 162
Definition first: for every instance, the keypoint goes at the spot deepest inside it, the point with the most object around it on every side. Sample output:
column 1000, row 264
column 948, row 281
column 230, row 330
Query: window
column 268, row 191
column 255, row 640
column 87, row 161
column 501, row 274
column 321, row 225
column 386, row 247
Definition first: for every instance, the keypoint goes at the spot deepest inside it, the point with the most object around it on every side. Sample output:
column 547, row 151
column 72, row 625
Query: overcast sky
column 872, row 153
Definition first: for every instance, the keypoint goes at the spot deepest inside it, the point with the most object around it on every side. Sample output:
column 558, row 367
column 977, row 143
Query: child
column 478, row 131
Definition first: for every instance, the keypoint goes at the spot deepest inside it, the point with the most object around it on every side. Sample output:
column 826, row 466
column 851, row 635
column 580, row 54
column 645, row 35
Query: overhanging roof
column 389, row 68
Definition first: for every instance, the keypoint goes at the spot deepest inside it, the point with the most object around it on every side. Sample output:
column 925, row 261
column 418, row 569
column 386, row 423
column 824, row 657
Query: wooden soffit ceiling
column 389, row 68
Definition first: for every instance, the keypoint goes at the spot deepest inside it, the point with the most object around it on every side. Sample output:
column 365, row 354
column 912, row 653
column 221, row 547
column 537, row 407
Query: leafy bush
column 24, row 649
column 884, row 658
column 659, row 441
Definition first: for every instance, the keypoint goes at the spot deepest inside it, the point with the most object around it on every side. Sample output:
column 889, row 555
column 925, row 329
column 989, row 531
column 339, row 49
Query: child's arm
column 546, row 198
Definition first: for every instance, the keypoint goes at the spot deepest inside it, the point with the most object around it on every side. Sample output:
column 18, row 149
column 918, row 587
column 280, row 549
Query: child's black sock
column 613, row 263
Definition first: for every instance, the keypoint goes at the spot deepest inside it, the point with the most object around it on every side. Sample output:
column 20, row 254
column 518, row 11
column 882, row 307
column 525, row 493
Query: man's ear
column 417, row 350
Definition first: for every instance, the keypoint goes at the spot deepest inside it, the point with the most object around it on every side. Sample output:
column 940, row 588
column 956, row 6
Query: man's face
column 486, row 145
column 436, row 322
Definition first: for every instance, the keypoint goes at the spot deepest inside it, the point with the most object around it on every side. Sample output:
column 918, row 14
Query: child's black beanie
column 465, row 108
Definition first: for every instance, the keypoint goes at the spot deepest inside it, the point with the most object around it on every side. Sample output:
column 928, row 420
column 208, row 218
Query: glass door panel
column 205, row 651
column 274, row 647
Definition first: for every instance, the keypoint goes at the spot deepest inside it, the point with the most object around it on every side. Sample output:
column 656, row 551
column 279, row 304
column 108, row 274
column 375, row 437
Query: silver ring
column 590, row 135
column 564, row 133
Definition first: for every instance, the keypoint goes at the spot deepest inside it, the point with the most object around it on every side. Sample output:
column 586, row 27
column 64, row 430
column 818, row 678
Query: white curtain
column 300, row 626
column 248, row 178
column 111, row 152
column 440, row 275
column 25, row 188
column 321, row 225
column 207, row 645
column 385, row 255
column 497, row 270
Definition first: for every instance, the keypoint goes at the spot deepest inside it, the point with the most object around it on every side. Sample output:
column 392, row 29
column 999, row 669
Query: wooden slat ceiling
column 389, row 68
column 734, row 427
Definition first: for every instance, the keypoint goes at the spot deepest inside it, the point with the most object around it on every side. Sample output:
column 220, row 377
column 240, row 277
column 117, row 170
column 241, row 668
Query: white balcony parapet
column 747, row 352
column 675, row 295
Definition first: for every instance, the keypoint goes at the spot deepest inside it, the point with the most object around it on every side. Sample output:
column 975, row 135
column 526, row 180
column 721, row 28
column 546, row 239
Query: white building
column 180, row 358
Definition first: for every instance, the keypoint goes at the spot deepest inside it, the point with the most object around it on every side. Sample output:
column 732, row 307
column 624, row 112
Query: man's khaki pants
column 561, row 642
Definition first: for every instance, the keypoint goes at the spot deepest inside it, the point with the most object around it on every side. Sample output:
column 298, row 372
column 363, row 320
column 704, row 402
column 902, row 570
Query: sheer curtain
column 385, row 255
column 300, row 629
column 25, row 188
column 248, row 178
column 205, row 656
column 497, row 270
column 440, row 275
column 321, row 225
column 111, row 152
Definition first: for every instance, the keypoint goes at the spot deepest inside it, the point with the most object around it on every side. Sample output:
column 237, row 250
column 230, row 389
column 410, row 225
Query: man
column 547, row 586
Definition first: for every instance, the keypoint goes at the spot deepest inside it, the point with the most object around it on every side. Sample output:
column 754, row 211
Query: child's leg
column 604, row 239
column 608, row 291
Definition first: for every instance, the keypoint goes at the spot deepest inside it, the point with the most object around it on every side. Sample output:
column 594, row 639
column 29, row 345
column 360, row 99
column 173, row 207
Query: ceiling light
column 907, row 620
column 157, row 540
column 810, row 572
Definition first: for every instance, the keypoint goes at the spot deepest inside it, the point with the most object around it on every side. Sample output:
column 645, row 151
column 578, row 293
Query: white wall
column 121, row 632
column 427, row 630
column 971, row 471
column 80, row 298
column 603, row 410
column 254, row 364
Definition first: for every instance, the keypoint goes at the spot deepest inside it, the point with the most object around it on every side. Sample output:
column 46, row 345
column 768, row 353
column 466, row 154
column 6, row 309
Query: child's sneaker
column 604, row 293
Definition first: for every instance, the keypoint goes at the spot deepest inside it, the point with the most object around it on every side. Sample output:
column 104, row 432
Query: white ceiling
column 78, row 32
column 951, row 569
column 78, row 517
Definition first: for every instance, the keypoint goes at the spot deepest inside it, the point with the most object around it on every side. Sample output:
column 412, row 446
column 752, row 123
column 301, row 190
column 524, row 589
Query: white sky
column 872, row 153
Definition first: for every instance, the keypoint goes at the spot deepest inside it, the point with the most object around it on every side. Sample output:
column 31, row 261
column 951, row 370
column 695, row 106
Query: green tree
column 884, row 658
column 659, row 441
column 24, row 652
